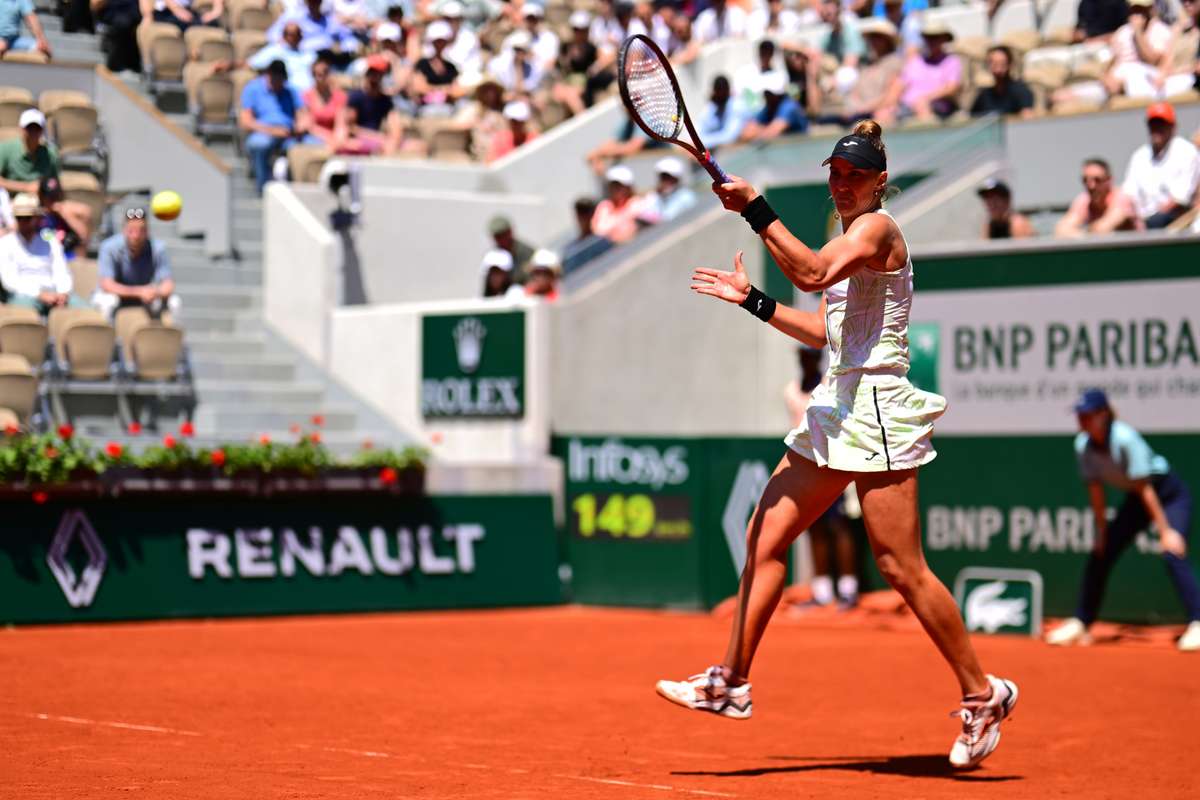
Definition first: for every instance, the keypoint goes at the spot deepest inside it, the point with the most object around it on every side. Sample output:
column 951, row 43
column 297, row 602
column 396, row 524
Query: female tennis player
column 866, row 423
column 1110, row 451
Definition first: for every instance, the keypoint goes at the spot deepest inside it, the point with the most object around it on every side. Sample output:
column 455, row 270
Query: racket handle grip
column 714, row 169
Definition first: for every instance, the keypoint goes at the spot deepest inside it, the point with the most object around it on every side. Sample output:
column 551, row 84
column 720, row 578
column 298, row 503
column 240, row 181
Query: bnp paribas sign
column 473, row 365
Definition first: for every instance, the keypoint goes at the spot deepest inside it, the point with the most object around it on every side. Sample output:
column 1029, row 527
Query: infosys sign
column 473, row 365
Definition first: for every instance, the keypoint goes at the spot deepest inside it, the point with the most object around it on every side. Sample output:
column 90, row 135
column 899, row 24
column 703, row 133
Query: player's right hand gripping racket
column 651, row 93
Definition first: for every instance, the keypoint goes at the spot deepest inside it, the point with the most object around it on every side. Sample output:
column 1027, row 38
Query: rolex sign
column 473, row 365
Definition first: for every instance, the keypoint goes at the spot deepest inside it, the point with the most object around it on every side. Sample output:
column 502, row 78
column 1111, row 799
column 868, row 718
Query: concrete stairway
column 248, row 381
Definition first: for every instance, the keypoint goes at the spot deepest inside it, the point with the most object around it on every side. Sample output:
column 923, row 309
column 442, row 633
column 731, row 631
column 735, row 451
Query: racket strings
column 651, row 91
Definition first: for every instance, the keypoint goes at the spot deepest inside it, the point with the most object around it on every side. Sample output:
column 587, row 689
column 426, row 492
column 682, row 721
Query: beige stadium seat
column 9, row 419
column 206, row 44
column 247, row 43
column 25, row 57
column 18, row 312
column 240, row 78
column 154, row 350
column 163, row 51
column 16, row 93
column 249, row 15
column 60, row 317
column 1050, row 75
column 1060, row 36
column 26, row 338
column 305, row 162
column 127, row 320
column 83, row 187
column 553, row 114
column 1021, row 42
column 85, row 275
column 50, row 100
column 18, row 386
column 1088, row 71
column 87, row 348
column 1073, row 107
column 451, row 144
column 1122, row 102
column 11, row 109
column 973, row 47
column 73, row 128
column 9, row 133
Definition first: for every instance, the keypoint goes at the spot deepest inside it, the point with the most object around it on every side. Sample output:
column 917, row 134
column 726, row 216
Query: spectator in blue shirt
column 135, row 270
column 670, row 197
column 275, row 117
column 1110, row 452
column 721, row 122
column 587, row 245
column 11, row 14
column 320, row 31
column 780, row 114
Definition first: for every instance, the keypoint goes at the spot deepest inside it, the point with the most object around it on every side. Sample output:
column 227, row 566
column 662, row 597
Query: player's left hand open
column 1173, row 542
column 732, row 287
column 735, row 194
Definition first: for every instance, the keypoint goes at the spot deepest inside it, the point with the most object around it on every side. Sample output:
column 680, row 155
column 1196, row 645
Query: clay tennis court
column 559, row 703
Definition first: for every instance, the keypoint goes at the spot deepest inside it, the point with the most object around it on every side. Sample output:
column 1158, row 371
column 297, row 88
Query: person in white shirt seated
column 772, row 20
column 497, row 268
column 720, row 21
column 516, row 68
column 1163, row 175
column 670, row 197
column 464, row 48
column 545, row 43
column 33, row 267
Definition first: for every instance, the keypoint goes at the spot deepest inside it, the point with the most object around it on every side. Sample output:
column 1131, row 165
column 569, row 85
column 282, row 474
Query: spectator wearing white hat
column 720, row 21
column 464, row 50
column 670, row 197
column 497, row 271
column 518, row 132
column 26, row 160
column 581, row 75
column 544, row 273
column 545, row 44
column 12, row 12
column 779, row 114
column 33, row 267
column 516, row 67
column 435, row 77
column 616, row 216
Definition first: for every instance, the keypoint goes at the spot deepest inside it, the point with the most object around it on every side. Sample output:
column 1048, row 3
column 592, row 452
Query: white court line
column 367, row 753
column 659, row 786
column 129, row 726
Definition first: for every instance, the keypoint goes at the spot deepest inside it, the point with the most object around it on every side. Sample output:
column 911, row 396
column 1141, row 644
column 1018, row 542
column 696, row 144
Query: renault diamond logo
column 468, row 343
column 79, row 590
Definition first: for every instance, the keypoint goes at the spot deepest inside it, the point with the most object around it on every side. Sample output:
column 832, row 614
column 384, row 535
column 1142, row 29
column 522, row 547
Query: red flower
column 169, row 442
column 40, row 497
column 315, row 437
column 368, row 444
column 435, row 437
column 387, row 476
column 11, row 430
column 217, row 457
column 51, row 453
column 114, row 450
column 66, row 432
column 264, row 439
column 187, row 429
column 318, row 420
column 135, row 428
column 294, row 427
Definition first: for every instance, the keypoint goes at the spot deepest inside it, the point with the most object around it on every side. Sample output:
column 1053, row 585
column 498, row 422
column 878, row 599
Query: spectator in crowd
column 135, row 269
column 656, row 17
column 780, row 114
column 579, row 68
column 180, row 13
column 721, row 21
column 516, row 67
column 747, row 80
column 274, row 116
column 907, row 21
column 1097, row 20
column 484, row 115
column 932, row 78
column 389, row 38
column 298, row 60
column 670, row 197
column 33, row 269
column 319, row 31
column 1100, row 207
column 464, row 50
column 435, row 78
column 587, row 245
column 355, row 15
column 1007, row 95
column 12, row 12
column 120, row 19
column 516, row 134
column 616, row 216
column 325, row 102
column 630, row 141
column 1163, row 174
column 503, row 236
column 544, row 273
column 614, row 23
column 772, row 20
column 721, row 123
column 371, row 116
column 50, row 197
column 498, row 275
column 1002, row 222
column 28, row 159
column 544, row 42
column 1141, row 50
column 684, row 47
column 843, row 42
column 878, row 87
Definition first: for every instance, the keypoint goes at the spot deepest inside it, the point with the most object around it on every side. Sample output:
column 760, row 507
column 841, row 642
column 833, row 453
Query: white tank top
column 866, row 319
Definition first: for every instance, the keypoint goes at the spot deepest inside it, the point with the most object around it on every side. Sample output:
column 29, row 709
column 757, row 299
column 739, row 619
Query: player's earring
column 836, row 215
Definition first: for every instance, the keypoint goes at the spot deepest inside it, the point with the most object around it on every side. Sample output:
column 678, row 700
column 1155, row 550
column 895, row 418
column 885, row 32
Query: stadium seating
column 24, row 335
column 84, row 187
column 305, row 162
column 206, row 45
column 18, row 388
column 13, row 102
column 163, row 56
column 211, row 100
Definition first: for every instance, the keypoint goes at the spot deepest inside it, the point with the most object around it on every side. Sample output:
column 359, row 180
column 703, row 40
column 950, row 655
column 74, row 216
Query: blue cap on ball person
column 1092, row 400
column 859, row 151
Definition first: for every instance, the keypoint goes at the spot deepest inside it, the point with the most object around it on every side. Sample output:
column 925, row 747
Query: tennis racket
column 651, row 93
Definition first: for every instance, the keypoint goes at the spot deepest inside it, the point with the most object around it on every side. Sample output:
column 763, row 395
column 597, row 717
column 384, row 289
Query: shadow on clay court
column 915, row 766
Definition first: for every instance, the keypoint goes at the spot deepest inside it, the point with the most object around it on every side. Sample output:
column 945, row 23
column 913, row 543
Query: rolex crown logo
column 468, row 343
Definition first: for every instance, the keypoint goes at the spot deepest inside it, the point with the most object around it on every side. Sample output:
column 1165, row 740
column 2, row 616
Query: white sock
column 847, row 587
column 822, row 589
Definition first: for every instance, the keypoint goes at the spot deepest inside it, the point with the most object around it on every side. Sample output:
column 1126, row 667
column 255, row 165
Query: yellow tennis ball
column 166, row 205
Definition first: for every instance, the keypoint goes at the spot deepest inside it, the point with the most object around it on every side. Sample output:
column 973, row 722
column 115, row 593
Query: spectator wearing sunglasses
column 135, row 269
column 1100, row 208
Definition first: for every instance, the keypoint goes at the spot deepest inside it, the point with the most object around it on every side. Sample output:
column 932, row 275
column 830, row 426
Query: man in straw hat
column 877, row 90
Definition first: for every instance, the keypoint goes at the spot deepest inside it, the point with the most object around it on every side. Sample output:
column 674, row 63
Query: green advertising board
column 473, row 365
column 152, row 557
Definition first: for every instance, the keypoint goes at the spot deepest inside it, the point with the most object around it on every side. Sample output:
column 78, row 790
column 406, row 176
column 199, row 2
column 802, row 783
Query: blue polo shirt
column 150, row 267
column 270, row 107
column 1126, row 460
column 11, row 14
column 790, row 110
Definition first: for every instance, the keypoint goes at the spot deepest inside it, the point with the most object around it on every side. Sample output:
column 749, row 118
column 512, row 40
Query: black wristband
column 759, row 304
column 759, row 214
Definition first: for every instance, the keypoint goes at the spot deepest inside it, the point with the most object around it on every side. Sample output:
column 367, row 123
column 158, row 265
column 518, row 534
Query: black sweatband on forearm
column 759, row 304
column 759, row 214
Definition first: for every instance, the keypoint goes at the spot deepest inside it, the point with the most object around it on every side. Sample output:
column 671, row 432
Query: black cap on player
column 859, row 151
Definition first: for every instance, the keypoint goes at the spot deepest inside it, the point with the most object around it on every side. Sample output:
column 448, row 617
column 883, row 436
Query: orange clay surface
column 559, row 703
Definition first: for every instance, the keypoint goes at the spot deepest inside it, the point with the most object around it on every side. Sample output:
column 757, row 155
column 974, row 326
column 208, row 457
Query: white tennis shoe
column 1072, row 631
column 709, row 692
column 1191, row 637
column 981, row 723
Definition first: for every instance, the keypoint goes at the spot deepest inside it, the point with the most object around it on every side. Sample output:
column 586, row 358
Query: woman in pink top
column 325, row 102
column 1100, row 208
column 616, row 218
column 931, row 80
column 516, row 134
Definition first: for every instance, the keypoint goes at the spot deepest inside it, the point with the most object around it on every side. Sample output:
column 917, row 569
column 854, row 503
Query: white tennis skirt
column 868, row 423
